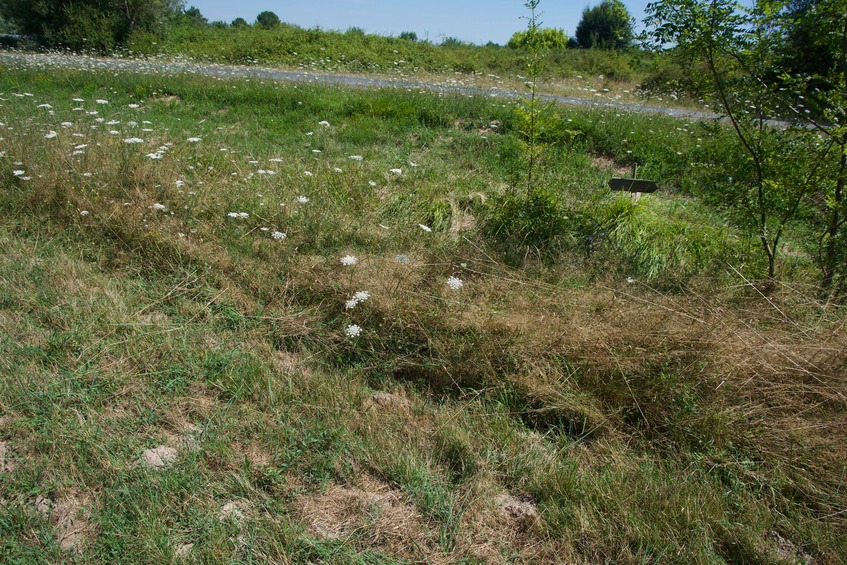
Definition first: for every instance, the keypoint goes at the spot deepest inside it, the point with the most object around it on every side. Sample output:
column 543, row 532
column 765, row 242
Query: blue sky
column 478, row 21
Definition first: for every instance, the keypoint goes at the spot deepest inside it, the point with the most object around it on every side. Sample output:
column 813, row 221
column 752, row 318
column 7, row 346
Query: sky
column 476, row 21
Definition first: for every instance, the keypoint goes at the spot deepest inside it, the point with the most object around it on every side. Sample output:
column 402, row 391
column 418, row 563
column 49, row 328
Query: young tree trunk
column 830, row 260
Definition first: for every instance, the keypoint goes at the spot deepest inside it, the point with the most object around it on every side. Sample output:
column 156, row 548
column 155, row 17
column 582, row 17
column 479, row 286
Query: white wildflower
column 50, row 135
column 131, row 140
column 425, row 228
column 239, row 215
column 630, row 280
column 307, row 173
column 356, row 157
column 371, row 183
column 303, row 199
column 102, row 101
column 337, row 170
column 180, row 183
column 278, row 235
column 83, row 213
column 455, row 283
column 160, row 207
column 361, row 296
column 18, row 173
column 323, row 123
column 133, row 106
column 396, row 171
column 193, row 140
column 349, row 260
column 353, row 330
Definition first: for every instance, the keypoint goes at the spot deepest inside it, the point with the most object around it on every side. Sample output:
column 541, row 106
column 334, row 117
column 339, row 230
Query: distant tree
column 543, row 38
column 239, row 23
column 218, row 24
column 194, row 18
column 87, row 24
column 409, row 36
column 452, row 42
column 267, row 20
column 607, row 25
column 355, row 31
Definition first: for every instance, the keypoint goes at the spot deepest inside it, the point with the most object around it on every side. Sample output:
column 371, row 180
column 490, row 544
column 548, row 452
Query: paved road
column 153, row 66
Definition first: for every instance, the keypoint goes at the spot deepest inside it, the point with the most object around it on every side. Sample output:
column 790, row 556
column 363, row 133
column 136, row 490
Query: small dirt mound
column 370, row 515
column 69, row 518
column 6, row 463
column 159, row 457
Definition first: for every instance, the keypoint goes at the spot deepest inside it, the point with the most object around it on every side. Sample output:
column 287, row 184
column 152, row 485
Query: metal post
column 635, row 195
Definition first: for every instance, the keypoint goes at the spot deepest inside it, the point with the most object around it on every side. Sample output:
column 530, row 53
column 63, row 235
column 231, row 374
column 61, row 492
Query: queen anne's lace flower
column 349, row 260
column 353, row 330
column 455, row 283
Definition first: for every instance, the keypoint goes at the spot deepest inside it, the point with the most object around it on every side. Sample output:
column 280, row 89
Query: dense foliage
column 88, row 24
column 267, row 20
column 607, row 25
column 545, row 38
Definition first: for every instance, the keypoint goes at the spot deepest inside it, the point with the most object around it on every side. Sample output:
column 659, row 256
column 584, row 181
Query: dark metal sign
column 633, row 185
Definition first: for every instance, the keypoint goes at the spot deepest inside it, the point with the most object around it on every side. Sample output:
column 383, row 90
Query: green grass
column 681, row 417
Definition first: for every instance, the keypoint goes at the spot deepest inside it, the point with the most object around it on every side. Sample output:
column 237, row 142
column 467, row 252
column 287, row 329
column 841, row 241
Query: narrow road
column 153, row 66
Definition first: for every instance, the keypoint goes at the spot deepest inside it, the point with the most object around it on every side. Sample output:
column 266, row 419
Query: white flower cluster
column 358, row 298
column 353, row 330
column 455, row 283
column 239, row 215
column 349, row 260
column 278, row 235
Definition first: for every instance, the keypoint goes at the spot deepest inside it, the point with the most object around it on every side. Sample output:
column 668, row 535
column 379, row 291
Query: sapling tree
column 813, row 87
column 737, row 48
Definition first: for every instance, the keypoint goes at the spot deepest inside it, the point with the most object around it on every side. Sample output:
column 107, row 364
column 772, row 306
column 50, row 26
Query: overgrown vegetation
column 192, row 281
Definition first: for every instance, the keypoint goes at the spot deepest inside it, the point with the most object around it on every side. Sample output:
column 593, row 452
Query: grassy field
column 309, row 302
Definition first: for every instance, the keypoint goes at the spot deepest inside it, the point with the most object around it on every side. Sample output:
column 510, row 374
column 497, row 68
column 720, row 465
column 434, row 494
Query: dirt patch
column 170, row 99
column 70, row 519
column 609, row 165
column 371, row 514
column 184, row 551
column 7, row 465
column 232, row 511
column 787, row 551
column 382, row 401
column 519, row 507
column 159, row 457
